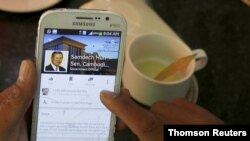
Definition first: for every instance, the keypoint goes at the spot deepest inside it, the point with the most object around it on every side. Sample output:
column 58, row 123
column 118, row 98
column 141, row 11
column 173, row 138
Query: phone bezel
column 62, row 19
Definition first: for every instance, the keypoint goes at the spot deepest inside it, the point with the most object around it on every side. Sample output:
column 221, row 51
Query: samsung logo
column 83, row 24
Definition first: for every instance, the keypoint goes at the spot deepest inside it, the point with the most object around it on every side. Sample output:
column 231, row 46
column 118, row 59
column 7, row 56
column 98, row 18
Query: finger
column 187, row 105
column 120, row 125
column 139, row 120
column 183, row 113
column 23, row 132
column 194, row 108
column 17, row 97
column 170, row 113
column 28, row 117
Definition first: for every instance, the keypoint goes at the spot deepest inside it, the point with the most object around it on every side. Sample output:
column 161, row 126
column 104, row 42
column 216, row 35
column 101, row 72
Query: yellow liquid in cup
column 151, row 67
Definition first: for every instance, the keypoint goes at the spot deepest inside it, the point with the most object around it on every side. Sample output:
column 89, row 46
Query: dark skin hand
column 14, row 102
column 146, row 124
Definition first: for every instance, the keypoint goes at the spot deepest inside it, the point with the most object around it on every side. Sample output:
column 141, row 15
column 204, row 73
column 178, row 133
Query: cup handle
column 200, row 59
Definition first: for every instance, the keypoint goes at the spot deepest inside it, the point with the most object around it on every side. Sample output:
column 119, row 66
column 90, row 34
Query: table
column 221, row 28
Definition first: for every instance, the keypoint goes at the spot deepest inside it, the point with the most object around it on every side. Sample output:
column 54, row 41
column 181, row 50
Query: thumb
column 142, row 122
column 15, row 100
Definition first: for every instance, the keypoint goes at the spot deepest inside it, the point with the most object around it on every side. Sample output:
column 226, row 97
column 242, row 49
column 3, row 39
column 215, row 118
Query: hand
column 14, row 102
column 147, row 125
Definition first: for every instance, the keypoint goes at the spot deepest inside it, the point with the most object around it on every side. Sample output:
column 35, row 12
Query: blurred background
column 220, row 27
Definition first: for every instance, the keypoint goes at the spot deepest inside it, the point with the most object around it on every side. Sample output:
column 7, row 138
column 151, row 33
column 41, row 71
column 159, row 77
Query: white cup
column 146, row 56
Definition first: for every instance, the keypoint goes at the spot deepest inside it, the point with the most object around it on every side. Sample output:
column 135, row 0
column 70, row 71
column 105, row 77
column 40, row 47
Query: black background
column 220, row 27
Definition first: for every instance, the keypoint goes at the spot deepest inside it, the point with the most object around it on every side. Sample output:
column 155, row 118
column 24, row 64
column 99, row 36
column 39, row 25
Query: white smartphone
column 79, row 53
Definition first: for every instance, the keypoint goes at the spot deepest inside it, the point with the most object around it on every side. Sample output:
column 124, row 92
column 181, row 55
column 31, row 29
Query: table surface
column 220, row 27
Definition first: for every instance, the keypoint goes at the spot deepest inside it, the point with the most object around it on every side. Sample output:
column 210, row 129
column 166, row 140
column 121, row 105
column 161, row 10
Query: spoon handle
column 178, row 65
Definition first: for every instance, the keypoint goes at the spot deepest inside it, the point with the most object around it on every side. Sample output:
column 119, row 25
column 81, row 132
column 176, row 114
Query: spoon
column 177, row 66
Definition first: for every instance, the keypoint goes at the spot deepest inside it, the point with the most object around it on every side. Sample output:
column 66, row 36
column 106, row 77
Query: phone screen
column 76, row 66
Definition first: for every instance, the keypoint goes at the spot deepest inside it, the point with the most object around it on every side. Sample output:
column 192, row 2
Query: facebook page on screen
column 76, row 66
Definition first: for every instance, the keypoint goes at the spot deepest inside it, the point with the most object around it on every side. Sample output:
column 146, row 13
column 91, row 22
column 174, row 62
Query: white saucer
column 193, row 92
column 25, row 6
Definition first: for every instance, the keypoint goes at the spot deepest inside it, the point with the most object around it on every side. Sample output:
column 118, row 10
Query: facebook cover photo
column 74, row 54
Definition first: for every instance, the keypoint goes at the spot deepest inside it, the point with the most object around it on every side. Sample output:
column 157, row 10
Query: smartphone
column 78, row 54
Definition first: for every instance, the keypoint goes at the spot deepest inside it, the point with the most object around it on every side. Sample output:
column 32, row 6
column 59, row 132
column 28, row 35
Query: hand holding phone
column 79, row 53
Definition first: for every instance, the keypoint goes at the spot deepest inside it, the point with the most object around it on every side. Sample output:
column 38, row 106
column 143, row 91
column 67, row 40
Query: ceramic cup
column 146, row 56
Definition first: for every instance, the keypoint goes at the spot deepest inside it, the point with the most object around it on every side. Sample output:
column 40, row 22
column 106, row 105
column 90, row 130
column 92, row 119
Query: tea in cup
column 148, row 55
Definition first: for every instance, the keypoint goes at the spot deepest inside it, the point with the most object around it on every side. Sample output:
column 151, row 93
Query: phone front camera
column 107, row 18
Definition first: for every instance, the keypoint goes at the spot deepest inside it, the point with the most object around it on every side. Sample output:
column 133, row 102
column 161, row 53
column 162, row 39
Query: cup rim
column 151, row 79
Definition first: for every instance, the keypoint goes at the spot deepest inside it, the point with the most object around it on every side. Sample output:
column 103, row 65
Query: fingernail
column 107, row 94
column 23, row 71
